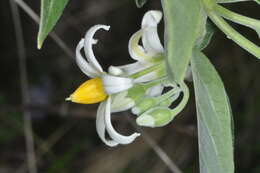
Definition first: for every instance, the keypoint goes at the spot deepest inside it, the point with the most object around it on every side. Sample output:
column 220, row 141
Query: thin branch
column 31, row 158
column 53, row 35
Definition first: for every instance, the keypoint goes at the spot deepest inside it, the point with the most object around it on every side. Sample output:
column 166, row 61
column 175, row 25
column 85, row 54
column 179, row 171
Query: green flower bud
column 156, row 117
column 144, row 105
column 136, row 92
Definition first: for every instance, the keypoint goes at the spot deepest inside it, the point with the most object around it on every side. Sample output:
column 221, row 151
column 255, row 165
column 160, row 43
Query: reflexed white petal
column 112, row 132
column 120, row 102
column 83, row 64
column 115, row 84
column 100, row 125
column 134, row 67
column 89, row 41
column 115, row 70
column 151, row 18
column 136, row 51
column 150, row 38
column 155, row 91
column 151, row 41
column 148, row 77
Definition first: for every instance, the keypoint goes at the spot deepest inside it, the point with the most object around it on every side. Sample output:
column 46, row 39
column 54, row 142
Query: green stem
column 184, row 101
column 147, row 70
column 237, row 18
column 155, row 82
column 229, row 31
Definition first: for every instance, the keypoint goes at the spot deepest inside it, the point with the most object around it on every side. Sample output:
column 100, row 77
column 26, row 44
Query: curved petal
column 115, row 84
column 84, row 66
column 89, row 41
column 111, row 131
column 100, row 125
column 150, row 38
column 114, row 70
column 136, row 51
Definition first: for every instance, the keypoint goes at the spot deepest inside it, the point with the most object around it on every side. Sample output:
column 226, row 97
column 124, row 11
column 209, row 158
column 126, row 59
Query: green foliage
column 257, row 1
column 230, row 1
column 207, row 37
column 182, row 27
column 214, row 117
column 140, row 3
column 51, row 11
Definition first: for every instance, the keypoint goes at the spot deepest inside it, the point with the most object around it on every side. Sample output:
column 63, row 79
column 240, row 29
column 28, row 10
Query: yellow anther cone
column 89, row 92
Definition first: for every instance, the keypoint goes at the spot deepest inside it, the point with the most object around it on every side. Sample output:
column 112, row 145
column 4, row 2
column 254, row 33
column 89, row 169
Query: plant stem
column 237, row 18
column 148, row 70
column 184, row 101
column 229, row 31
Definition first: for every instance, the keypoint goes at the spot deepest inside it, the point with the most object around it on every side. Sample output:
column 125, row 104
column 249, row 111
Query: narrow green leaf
column 140, row 3
column 51, row 11
column 257, row 1
column 183, row 21
column 214, row 117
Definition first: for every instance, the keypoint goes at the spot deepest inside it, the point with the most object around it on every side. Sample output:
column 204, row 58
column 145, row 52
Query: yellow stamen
column 89, row 92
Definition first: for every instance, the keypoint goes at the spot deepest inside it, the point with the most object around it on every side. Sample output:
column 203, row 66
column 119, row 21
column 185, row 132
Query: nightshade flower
column 112, row 88
column 122, row 87
column 99, row 89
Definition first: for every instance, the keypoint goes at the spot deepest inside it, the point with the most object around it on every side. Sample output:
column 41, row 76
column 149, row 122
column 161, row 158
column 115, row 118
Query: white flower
column 111, row 88
column 100, row 88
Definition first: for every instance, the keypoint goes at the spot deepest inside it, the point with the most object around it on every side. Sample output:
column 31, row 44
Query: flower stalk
column 214, row 12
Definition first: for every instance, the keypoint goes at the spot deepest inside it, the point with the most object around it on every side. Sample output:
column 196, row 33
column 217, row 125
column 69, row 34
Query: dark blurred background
column 64, row 133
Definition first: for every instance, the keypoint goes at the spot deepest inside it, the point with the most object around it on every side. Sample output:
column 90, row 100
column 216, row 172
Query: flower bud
column 156, row 117
column 144, row 105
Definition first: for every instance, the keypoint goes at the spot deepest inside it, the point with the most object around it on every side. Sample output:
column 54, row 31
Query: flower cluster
column 137, row 86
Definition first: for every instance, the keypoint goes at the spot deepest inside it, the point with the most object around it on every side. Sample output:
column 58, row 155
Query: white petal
column 155, row 90
column 130, row 69
column 151, row 18
column 136, row 51
column 100, row 125
column 150, row 38
column 111, row 131
column 89, row 41
column 120, row 102
column 83, row 64
column 115, row 84
column 115, row 70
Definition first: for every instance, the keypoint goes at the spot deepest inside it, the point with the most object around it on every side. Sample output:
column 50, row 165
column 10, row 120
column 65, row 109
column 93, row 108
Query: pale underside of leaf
column 183, row 21
column 214, row 118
